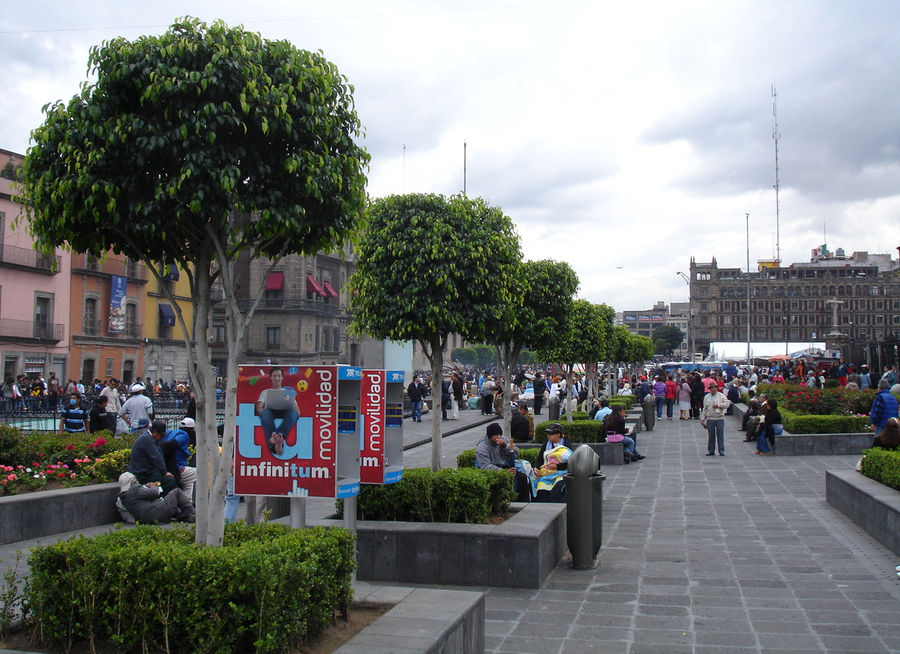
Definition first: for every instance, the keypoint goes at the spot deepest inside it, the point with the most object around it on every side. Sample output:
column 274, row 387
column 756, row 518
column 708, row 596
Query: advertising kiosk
column 297, row 431
column 381, row 427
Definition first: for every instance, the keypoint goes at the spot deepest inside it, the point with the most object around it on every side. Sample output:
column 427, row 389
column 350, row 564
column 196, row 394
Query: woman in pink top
column 684, row 399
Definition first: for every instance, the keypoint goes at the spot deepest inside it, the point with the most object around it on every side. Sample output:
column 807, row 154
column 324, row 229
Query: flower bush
column 31, row 460
column 22, row 478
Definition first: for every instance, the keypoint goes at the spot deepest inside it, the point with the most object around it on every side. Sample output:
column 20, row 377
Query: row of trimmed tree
column 208, row 142
column 430, row 266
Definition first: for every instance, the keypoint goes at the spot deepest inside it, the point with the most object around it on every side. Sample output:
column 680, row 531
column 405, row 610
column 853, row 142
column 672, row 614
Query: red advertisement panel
column 372, row 414
column 286, row 431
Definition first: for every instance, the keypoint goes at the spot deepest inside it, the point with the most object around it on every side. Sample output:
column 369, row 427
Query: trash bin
column 553, row 408
column 584, row 507
column 649, row 411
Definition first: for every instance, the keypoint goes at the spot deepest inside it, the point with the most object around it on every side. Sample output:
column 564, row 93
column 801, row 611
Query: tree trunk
column 437, row 366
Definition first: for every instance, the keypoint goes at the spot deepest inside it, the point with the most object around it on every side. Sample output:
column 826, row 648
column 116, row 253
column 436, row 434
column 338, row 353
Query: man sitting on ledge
column 492, row 453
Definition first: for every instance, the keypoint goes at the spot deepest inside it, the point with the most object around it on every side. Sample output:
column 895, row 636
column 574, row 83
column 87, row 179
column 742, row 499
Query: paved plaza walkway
column 701, row 555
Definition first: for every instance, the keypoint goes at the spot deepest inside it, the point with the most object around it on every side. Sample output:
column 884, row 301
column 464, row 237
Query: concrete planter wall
column 426, row 620
column 520, row 553
column 44, row 513
column 870, row 504
column 806, row 444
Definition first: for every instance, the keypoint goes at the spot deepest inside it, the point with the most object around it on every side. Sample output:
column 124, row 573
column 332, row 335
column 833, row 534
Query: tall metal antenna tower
column 775, row 137
column 464, row 167
column 404, row 168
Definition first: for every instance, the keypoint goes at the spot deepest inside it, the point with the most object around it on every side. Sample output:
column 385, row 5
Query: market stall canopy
column 731, row 351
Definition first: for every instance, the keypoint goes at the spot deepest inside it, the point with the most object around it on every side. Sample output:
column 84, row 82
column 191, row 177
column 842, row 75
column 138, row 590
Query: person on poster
column 277, row 403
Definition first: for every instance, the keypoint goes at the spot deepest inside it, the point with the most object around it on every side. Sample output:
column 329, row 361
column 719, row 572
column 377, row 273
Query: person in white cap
column 136, row 407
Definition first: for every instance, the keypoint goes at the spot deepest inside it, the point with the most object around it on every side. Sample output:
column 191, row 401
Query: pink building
column 34, row 292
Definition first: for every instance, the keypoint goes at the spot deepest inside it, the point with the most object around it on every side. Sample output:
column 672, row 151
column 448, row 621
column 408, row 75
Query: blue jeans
column 267, row 420
column 762, row 443
column 231, row 501
column 670, row 404
column 416, row 410
column 629, row 446
column 716, row 431
column 659, row 405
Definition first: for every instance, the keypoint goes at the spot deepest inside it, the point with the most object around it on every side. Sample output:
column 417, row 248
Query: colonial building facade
column 303, row 316
column 851, row 302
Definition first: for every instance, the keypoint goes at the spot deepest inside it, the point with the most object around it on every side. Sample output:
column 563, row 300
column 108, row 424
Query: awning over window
column 166, row 315
column 275, row 281
column 312, row 286
column 172, row 274
column 329, row 289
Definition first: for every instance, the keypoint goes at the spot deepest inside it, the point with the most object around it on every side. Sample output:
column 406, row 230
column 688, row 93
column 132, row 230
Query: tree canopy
column 204, row 130
column 192, row 147
column 429, row 266
column 666, row 338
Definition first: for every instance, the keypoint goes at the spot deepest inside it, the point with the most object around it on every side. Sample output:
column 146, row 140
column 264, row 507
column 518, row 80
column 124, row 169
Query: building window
column 43, row 315
column 87, row 370
column 273, row 338
column 131, row 320
column 218, row 333
column 89, row 324
column 131, row 268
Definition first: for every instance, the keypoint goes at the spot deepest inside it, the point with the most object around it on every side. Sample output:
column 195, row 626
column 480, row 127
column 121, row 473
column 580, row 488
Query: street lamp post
column 687, row 280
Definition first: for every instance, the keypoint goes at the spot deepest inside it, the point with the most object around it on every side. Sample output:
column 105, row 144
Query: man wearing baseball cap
column 175, row 446
column 137, row 407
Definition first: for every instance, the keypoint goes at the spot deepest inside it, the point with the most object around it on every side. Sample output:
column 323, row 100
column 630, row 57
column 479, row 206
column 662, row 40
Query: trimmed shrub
column 577, row 431
column 266, row 589
column 816, row 424
column 882, row 466
column 110, row 466
column 450, row 495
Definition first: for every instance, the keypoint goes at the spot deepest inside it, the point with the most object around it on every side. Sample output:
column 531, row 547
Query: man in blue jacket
column 884, row 407
column 175, row 446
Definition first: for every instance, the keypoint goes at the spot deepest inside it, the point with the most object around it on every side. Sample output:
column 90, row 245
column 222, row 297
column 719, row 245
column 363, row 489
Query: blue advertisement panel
column 118, row 285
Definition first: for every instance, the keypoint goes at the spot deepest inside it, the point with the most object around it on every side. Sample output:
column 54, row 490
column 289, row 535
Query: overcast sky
column 623, row 138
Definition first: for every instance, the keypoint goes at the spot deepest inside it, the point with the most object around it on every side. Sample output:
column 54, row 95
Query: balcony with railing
column 30, row 329
column 29, row 259
column 287, row 305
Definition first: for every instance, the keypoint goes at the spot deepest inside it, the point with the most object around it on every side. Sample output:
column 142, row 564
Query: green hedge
column 577, row 431
column 883, row 466
column 448, row 495
column 266, row 589
column 814, row 424
column 466, row 458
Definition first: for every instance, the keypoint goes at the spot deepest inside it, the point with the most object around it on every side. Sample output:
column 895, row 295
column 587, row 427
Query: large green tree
column 542, row 297
column 583, row 338
column 666, row 338
column 189, row 148
column 427, row 267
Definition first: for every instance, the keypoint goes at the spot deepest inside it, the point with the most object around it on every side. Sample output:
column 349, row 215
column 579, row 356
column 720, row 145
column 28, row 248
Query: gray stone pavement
column 733, row 554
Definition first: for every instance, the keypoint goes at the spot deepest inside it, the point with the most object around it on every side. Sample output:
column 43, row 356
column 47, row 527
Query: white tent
column 736, row 351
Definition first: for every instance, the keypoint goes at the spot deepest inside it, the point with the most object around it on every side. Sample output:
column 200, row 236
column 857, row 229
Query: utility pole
column 747, row 277
column 775, row 137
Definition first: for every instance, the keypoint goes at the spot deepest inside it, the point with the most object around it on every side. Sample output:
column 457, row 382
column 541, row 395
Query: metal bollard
column 553, row 408
column 584, row 508
column 649, row 405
